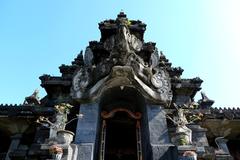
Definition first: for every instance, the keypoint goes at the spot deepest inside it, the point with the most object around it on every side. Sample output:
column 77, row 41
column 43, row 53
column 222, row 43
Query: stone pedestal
column 224, row 157
column 86, row 132
column 70, row 152
column 199, row 137
column 65, row 136
column 222, row 153
column 199, row 143
column 187, row 152
column 182, row 138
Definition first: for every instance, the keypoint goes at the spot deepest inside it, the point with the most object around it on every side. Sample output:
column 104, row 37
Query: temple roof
column 21, row 110
column 109, row 27
column 103, row 59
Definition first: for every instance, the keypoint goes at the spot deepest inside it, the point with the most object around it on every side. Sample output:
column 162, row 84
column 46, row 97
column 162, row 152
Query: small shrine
column 120, row 99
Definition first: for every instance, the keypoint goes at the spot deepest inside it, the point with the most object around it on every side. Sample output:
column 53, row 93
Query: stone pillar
column 222, row 144
column 158, row 132
column 86, row 132
column 222, row 153
column 14, row 144
column 199, row 138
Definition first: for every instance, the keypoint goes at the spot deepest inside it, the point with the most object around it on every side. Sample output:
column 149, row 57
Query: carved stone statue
column 32, row 99
column 123, row 43
column 58, row 134
column 181, row 122
column 205, row 102
column 204, row 97
column 183, row 135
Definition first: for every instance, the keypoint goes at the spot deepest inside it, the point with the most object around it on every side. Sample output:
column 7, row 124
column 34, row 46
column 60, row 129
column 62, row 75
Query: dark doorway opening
column 4, row 144
column 121, row 140
column 234, row 148
column 131, row 102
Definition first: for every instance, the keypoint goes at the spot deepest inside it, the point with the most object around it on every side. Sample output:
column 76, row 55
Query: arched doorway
column 120, row 135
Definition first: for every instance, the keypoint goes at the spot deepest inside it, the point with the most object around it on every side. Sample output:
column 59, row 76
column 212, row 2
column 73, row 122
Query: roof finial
column 32, row 99
column 161, row 53
column 162, row 56
column 205, row 102
column 122, row 14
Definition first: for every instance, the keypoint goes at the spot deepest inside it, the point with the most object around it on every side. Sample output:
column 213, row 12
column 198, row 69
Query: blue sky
column 201, row 36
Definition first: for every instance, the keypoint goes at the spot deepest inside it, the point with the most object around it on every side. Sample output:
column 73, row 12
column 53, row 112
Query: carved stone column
column 222, row 152
column 222, row 144
column 14, row 144
column 86, row 132
column 159, row 138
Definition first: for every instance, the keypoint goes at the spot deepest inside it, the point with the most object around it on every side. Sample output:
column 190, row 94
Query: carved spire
column 163, row 61
column 79, row 60
column 121, row 15
column 205, row 102
column 109, row 27
column 204, row 97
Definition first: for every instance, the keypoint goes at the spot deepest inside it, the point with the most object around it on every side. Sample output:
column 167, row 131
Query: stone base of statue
column 187, row 152
column 224, row 157
column 66, row 152
column 65, row 136
column 181, row 138
column 60, row 146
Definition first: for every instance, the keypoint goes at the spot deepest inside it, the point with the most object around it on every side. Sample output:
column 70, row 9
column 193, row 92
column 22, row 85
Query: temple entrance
column 120, row 138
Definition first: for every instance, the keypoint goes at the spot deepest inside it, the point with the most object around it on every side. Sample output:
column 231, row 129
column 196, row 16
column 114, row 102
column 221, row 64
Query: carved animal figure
column 32, row 99
column 204, row 97
column 181, row 121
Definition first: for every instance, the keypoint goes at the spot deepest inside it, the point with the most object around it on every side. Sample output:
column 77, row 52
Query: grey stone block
column 85, row 151
column 164, row 152
column 157, row 125
column 199, row 137
column 224, row 157
column 86, row 131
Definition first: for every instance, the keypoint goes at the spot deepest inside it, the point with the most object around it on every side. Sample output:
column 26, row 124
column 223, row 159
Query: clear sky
column 201, row 36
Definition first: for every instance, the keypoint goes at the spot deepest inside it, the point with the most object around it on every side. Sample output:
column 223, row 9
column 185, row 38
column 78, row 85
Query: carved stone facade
column 121, row 100
column 121, row 58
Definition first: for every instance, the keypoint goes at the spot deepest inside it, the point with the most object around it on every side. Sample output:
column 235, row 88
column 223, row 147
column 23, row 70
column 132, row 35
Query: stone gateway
column 119, row 100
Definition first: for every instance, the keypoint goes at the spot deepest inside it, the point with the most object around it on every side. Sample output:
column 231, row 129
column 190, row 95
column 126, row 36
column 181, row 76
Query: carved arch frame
column 107, row 115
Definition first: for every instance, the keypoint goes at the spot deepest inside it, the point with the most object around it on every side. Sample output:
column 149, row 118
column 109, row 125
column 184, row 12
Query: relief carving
column 123, row 48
